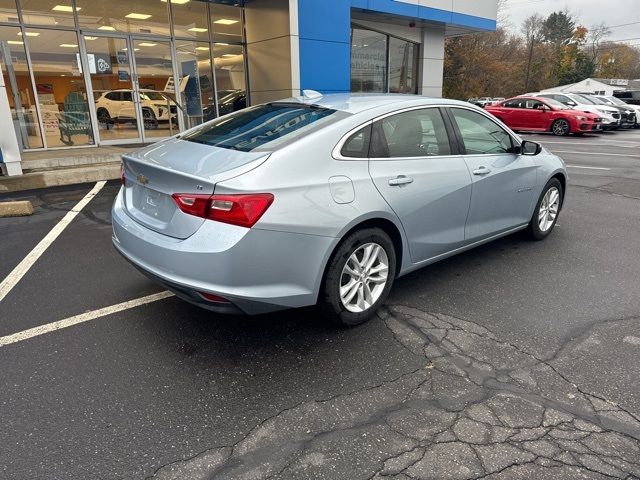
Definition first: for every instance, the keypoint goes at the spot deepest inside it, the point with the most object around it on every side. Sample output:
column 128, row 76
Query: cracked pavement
column 478, row 407
column 514, row 360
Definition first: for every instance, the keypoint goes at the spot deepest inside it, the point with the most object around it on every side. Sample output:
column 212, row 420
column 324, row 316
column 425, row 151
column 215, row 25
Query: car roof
column 360, row 102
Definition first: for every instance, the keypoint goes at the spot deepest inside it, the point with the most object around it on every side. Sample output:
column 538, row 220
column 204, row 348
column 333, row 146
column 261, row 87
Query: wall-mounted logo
column 102, row 66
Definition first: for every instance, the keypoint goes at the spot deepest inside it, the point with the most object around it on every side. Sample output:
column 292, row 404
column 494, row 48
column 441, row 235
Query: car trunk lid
column 153, row 174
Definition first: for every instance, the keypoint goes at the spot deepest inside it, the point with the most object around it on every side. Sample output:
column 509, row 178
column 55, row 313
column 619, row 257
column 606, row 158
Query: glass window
column 416, row 133
column 157, row 93
column 8, row 12
column 403, row 66
column 47, row 12
column 481, row 135
column 22, row 99
column 533, row 104
column 368, row 61
column 229, row 63
column 262, row 125
column 133, row 16
column 190, row 20
column 513, row 104
column 194, row 62
column 62, row 96
column 226, row 22
column 357, row 145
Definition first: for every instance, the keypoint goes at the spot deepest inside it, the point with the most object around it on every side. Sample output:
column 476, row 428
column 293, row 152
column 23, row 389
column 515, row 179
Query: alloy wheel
column 561, row 127
column 548, row 209
column 364, row 277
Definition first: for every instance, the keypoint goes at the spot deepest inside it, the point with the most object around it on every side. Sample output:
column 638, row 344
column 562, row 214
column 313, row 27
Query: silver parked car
column 327, row 199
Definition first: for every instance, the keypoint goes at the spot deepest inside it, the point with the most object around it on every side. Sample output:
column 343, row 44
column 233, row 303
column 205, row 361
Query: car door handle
column 400, row 180
column 482, row 171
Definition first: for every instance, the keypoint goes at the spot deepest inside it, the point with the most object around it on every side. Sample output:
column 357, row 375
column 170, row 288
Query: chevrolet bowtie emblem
column 142, row 179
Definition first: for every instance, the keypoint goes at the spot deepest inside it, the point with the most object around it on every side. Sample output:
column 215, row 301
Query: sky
column 588, row 13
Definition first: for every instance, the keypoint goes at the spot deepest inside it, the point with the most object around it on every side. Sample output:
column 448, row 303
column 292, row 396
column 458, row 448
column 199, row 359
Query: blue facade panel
column 418, row 12
column 325, row 45
column 325, row 66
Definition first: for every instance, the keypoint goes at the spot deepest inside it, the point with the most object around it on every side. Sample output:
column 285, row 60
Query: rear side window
column 481, row 135
column 126, row 97
column 115, row 96
column 416, row 133
column 357, row 145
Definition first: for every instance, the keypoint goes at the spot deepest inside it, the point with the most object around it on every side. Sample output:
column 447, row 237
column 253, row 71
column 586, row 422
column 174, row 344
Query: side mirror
column 571, row 103
column 530, row 148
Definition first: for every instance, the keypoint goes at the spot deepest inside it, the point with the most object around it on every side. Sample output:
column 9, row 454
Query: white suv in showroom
column 116, row 106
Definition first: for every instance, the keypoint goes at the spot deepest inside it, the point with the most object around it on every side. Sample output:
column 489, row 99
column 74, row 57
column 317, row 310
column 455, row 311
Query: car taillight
column 123, row 179
column 242, row 210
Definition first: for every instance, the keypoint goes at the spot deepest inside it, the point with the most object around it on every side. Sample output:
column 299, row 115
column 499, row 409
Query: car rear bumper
column 256, row 270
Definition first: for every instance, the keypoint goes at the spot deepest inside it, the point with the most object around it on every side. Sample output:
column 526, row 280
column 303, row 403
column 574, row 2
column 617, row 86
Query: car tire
column 351, row 255
column 104, row 117
column 149, row 119
column 547, row 210
column 561, row 128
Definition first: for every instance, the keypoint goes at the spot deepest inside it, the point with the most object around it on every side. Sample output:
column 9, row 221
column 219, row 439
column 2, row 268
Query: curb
column 66, row 176
column 21, row 208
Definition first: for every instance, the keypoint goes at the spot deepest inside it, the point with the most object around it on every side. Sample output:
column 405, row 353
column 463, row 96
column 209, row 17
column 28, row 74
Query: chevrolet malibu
column 327, row 200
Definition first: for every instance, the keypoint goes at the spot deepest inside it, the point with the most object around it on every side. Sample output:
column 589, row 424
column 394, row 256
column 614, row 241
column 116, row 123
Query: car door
column 127, row 107
column 531, row 116
column 510, row 113
column 414, row 168
column 503, row 181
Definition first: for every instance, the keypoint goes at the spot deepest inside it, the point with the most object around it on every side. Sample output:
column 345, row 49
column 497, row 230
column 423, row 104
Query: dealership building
column 86, row 73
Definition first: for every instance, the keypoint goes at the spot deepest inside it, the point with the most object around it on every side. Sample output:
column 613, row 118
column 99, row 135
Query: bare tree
column 532, row 29
column 597, row 35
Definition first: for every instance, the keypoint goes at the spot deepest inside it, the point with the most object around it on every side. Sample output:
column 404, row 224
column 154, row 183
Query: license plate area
column 154, row 204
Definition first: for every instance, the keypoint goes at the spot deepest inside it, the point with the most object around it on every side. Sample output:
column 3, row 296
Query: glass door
column 154, row 82
column 114, row 91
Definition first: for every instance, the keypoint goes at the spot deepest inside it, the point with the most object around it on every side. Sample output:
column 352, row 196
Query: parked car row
column 565, row 113
column 485, row 101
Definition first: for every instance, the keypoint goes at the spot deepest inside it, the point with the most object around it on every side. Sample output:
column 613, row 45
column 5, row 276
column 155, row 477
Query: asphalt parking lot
column 513, row 360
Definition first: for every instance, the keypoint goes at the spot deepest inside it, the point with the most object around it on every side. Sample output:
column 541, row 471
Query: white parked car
column 117, row 106
column 616, row 102
column 611, row 118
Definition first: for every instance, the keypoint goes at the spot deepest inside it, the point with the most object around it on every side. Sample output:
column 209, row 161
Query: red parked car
column 544, row 115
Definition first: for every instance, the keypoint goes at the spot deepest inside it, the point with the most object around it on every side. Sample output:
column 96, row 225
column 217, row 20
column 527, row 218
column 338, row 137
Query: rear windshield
column 271, row 124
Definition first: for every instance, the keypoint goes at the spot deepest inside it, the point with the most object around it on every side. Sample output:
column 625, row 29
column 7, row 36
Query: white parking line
column 83, row 317
column 602, row 154
column 588, row 168
column 23, row 267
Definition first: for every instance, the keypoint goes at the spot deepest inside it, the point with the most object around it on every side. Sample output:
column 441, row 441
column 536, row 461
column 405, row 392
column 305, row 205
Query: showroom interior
column 126, row 56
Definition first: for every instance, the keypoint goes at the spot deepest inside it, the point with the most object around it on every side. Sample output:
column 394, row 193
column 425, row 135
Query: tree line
column 547, row 52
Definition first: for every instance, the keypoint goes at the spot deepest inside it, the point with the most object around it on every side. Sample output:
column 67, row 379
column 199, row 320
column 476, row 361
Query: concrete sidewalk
column 66, row 167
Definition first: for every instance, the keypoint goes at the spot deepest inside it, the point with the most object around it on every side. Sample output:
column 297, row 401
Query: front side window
column 533, row 104
column 512, row 104
column 264, row 125
column 416, row 133
column 481, row 135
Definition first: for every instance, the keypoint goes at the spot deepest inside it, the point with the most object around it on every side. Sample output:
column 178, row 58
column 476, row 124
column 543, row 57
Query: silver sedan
column 327, row 200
